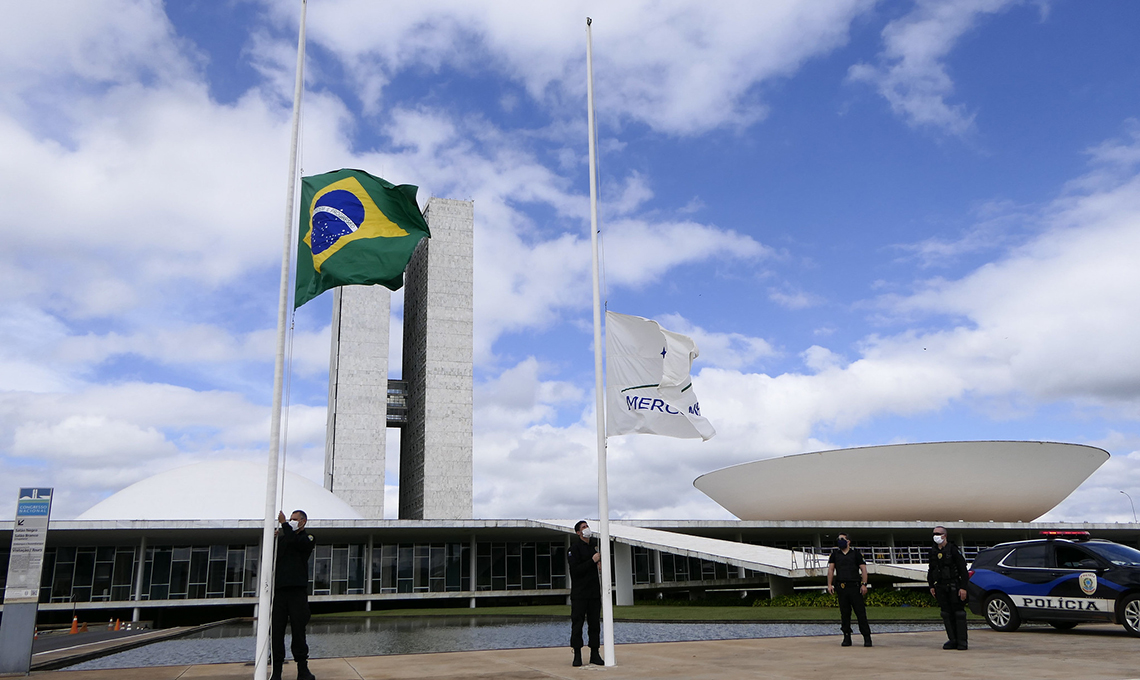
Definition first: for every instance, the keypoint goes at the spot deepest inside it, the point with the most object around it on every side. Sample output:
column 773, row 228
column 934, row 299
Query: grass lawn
column 671, row 613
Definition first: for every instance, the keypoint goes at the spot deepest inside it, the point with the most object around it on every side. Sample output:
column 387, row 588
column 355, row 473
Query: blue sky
column 881, row 221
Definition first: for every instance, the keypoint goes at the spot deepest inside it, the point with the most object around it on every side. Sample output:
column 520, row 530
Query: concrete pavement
column 1092, row 652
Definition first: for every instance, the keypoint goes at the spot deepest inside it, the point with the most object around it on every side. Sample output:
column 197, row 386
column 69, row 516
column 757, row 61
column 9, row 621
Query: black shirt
column 847, row 566
column 947, row 566
column 584, row 578
column 293, row 550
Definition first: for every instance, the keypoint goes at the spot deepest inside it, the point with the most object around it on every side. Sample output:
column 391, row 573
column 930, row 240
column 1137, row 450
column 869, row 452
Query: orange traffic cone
column 116, row 624
column 74, row 625
column 83, row 629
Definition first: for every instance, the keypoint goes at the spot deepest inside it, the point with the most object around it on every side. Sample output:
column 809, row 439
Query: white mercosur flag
column 648, row 389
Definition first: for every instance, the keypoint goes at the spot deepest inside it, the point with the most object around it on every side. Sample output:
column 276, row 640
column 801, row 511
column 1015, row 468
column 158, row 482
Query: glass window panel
column 558, row 559
column 105, row 554
column 124, row 568
column 84, row 568
column 388, row 567
column 483, row 573
column 323, row 551
column 101, row 588
column 422, row 572
column 218, row 552
column 199, row 567
column 528, row 559
column 216, row 579
column 542, row 571
column 322, row 573
column 61, row 586
column 181, row 553
column 406, row 562
column 499, row 561
column 437, row 566
column 82, row 594
column 235, row 561
column 47, row 571
column 179, row 578
column 514, row 571
column 340, row 563
column 65, row 554
column 160, row 573
column 454, row 567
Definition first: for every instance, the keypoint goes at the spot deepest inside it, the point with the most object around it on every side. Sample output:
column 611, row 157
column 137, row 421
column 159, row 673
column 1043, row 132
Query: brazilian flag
column 355, row 229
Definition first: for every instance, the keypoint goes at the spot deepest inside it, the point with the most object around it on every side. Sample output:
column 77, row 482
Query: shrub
column 876, row 597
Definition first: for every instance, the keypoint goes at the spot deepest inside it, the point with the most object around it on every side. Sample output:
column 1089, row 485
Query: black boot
column 951, row 631
column 577, row 657
column 276, row 671
column 866, row 640
column 846, row 640
column 960, row 629
column 596, row 658
column 303, row 671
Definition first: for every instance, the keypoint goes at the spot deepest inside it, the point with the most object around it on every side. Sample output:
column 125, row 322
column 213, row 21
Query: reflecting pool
column 376, row 636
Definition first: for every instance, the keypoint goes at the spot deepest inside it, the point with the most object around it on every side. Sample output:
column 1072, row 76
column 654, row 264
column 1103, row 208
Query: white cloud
column 89, row 440
column 794, row 299
column 912, row 74
column 721, row 350
column 680, row 67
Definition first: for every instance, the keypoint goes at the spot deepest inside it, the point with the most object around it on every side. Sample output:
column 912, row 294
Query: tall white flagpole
column 603, row 483
column 268, row 542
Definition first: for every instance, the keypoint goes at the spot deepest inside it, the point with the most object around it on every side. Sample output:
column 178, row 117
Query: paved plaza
column 1088, row 652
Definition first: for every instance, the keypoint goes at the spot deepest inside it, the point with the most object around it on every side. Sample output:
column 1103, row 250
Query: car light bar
column 1077, row 535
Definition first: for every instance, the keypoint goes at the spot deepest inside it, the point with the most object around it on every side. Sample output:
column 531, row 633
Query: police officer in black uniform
column 947, row 576
column 847, row 566
column 585, row 593
column 291, row 593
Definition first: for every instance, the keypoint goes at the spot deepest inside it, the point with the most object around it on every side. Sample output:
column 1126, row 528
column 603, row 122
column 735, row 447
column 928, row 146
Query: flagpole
column 268, row 540
column 603, row 483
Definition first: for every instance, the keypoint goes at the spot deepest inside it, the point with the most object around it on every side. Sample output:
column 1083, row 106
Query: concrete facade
column 358, row 398
column 435, row 445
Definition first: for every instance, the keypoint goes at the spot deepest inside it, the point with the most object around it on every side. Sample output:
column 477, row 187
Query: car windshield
column 1120, row 555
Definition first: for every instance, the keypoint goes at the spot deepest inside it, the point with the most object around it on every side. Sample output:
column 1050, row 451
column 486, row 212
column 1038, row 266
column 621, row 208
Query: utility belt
column 850, row 584
column 953, row 585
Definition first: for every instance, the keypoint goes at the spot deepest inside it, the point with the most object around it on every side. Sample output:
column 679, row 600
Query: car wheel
column 1001, row 614
column 1063, row 625
column 1130, row 614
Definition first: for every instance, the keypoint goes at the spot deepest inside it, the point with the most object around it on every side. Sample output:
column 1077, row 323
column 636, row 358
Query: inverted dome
column 941, row 481
column 228, row 489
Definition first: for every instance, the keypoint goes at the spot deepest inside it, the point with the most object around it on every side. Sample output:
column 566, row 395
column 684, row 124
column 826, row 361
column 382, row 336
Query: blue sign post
column 22, row 591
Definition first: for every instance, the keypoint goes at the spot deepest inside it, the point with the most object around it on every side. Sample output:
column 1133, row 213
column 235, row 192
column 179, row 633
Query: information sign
column 29, row 535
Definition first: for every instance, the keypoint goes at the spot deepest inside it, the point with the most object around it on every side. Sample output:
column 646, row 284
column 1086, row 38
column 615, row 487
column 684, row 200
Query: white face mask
column 939, row 539
column 295, row 524
column 586, row 533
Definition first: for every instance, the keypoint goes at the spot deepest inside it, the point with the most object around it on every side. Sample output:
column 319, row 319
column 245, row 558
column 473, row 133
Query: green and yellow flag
column 355, row 229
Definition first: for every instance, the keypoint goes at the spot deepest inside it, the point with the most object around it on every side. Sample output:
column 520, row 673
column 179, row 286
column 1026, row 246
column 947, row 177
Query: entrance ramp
column 775, row 561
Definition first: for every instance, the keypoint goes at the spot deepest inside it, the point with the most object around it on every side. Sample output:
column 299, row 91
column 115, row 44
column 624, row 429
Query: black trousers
column 588, row 610
column 850, row 598
column 290, row 605
column 953, row 612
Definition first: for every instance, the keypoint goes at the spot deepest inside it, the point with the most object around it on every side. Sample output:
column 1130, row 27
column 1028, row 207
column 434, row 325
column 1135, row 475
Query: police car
column 1063, row 579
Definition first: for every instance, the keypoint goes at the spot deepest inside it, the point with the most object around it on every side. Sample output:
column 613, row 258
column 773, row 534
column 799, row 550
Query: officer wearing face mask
column 291, row 593
column 847, row 567
column 585, row 593
column 947, row 576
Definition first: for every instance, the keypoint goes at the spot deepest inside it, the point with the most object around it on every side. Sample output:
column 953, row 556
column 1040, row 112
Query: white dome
column 938, row 481
column 228, row 489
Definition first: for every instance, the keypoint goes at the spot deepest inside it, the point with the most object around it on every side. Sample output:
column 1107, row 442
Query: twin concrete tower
column 432, row 404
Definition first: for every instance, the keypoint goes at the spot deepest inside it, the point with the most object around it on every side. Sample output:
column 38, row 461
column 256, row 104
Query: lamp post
column 1132, row 504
